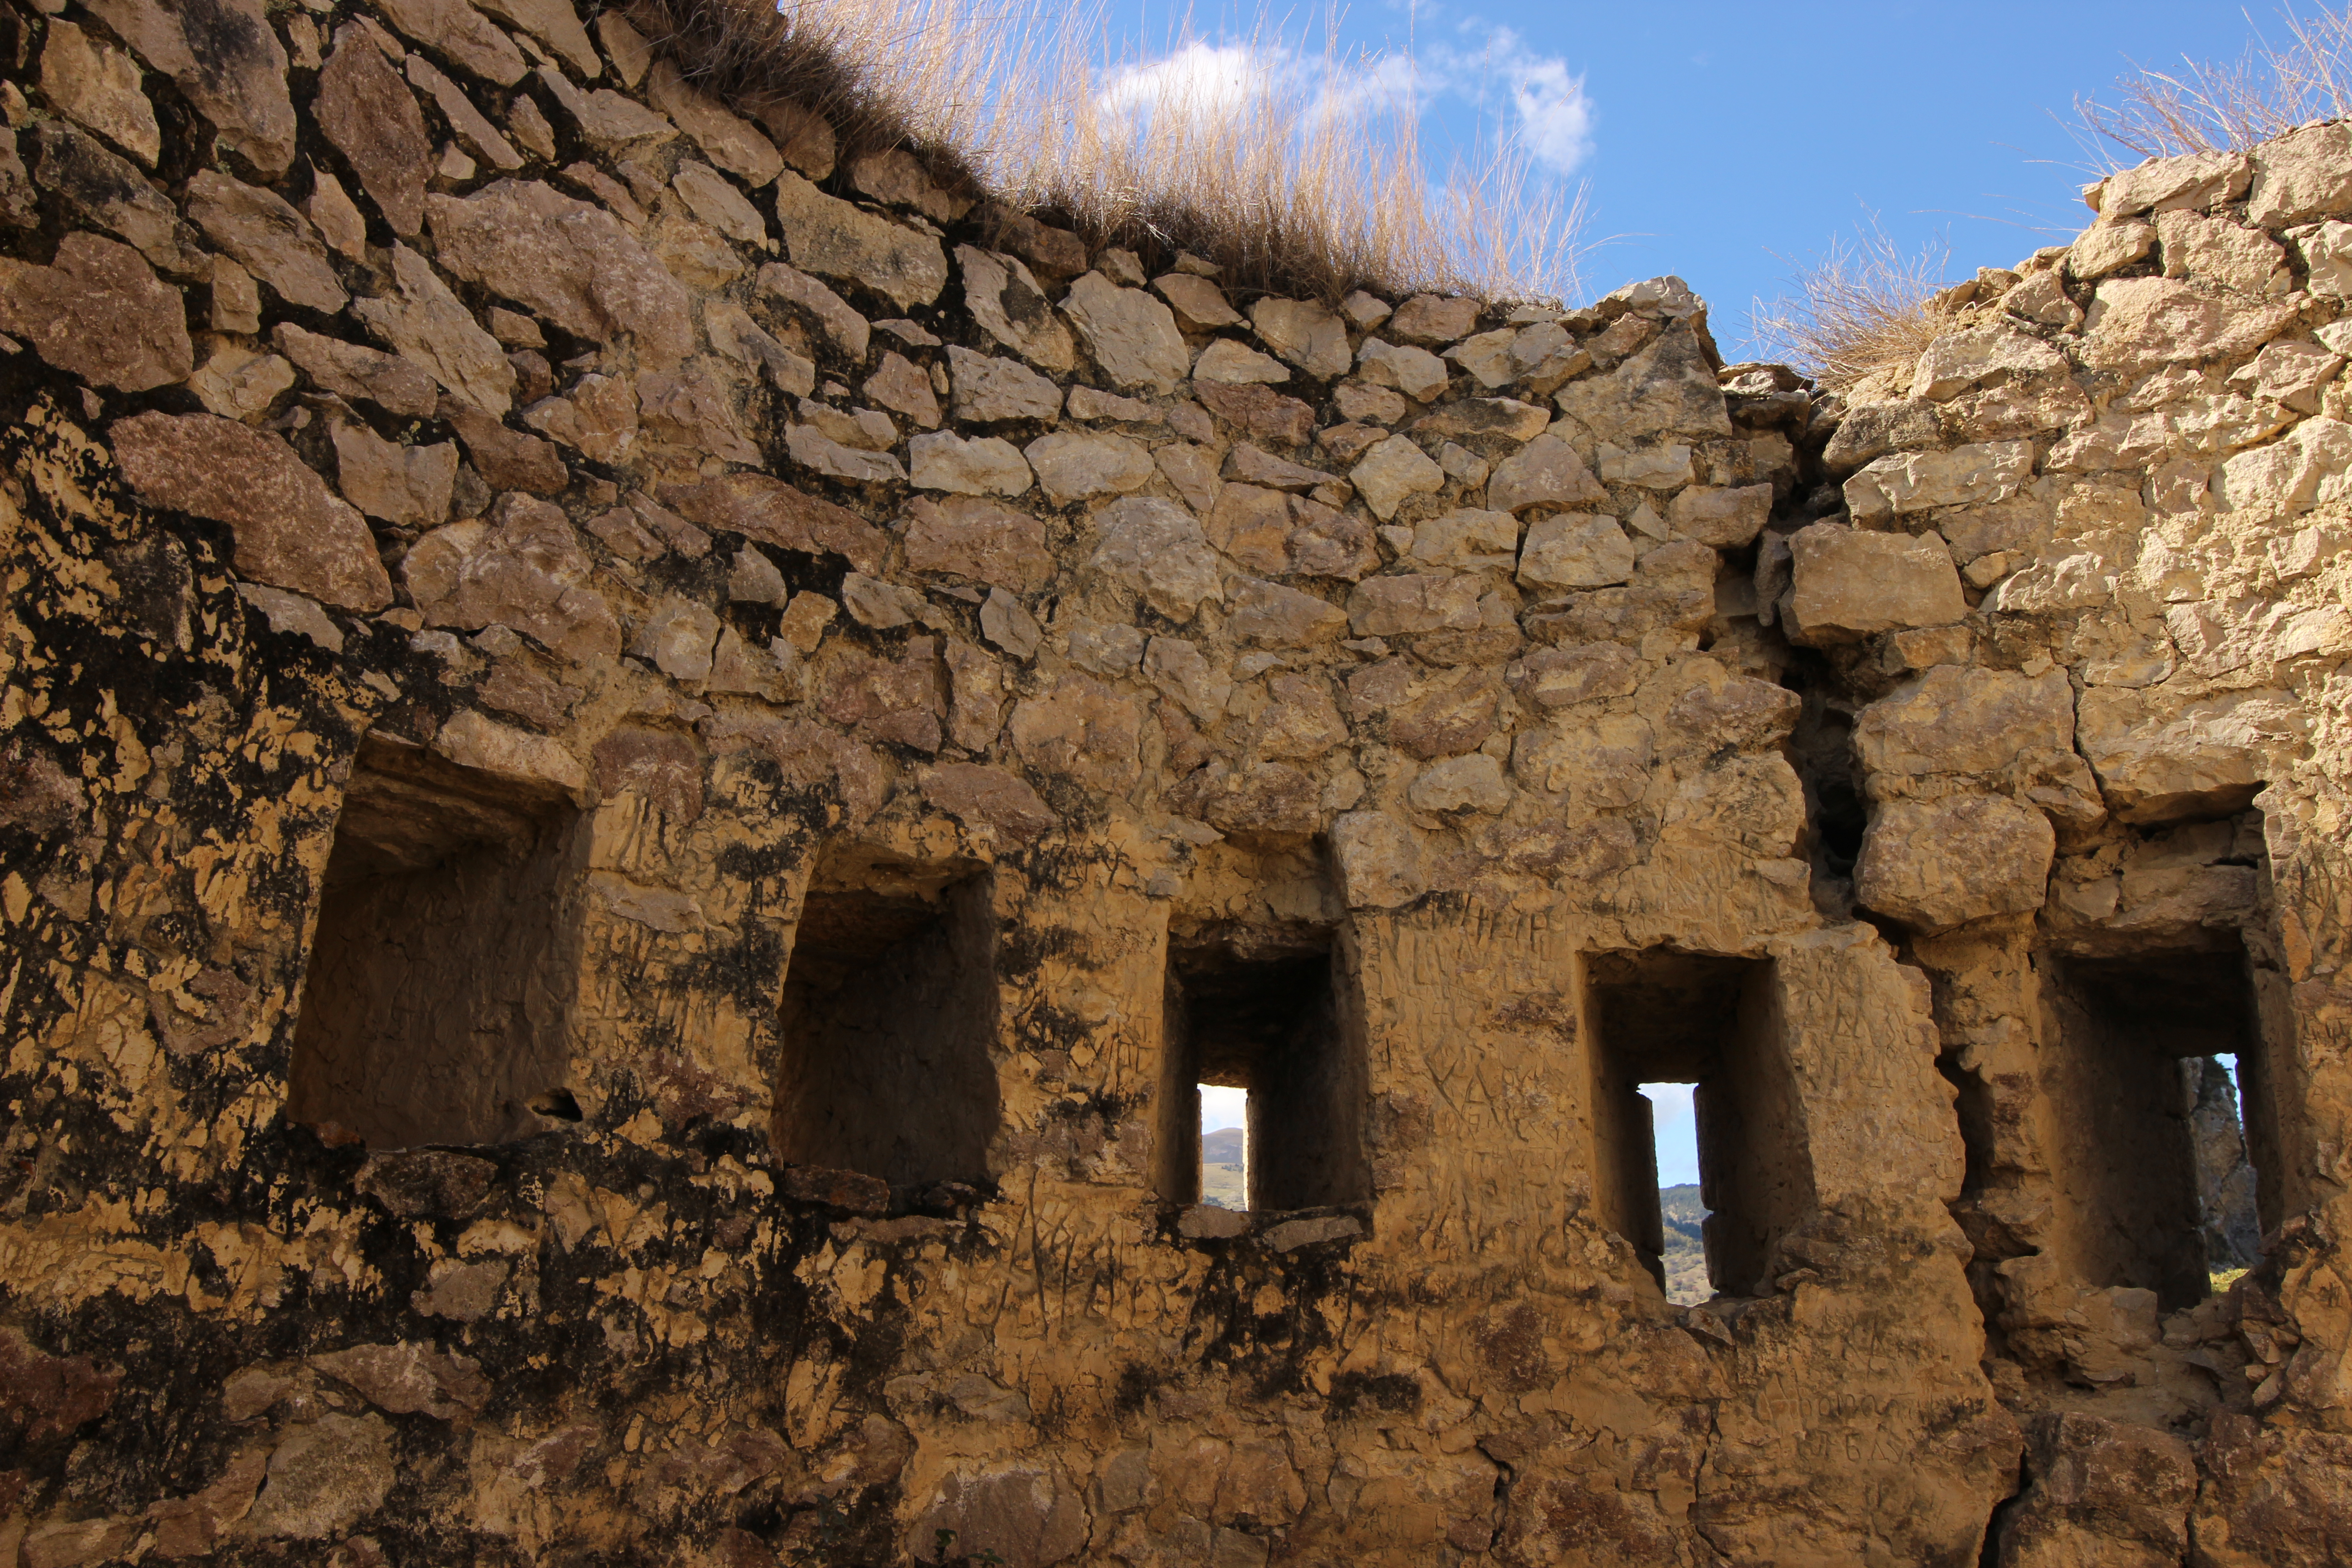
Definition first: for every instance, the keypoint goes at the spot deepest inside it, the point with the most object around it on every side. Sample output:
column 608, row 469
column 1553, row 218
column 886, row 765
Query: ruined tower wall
column 719, row 648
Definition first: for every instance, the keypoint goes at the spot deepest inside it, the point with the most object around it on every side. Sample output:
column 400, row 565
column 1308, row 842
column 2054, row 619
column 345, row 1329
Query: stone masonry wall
column 565, row 641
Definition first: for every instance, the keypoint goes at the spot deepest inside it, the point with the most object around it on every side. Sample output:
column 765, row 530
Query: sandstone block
column 1271, row 615
column 989, row 389
column 726, row 138
column 290, row 532
column 1306, row 334
column 1850, row 584
column 1157, row 550
column 1416, row 371
column 1935, row 865
column 393, row 383
column 2137, row 324
column 1378, row 860
column 226, row 60
column 1198, row 303
column 371, row 117
column 92, row 81
column 1718, row 518
column 424, row 323
column 2189, row 183
column 1471, row 783
column 101, row 313
column 2304, row 174
column 773, row 512
column 991, row 797
column 101, row 190
column 1083, row 730
column 1572, row 549
column 1231, row 362
column 523, row 567
column 1130, row 334
column 268, row 237
column 1010, row 307
column 1393, row 471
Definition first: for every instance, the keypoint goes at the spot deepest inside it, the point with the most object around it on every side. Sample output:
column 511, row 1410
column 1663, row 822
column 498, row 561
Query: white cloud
column 1543, row 105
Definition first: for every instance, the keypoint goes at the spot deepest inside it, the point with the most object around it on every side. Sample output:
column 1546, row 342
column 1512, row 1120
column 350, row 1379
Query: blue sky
column 1730, row 141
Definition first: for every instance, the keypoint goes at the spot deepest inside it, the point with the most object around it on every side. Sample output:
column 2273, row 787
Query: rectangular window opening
column 2159, row 1184
column 887, row 1064
column 1225, row 1146
column 433, row 998
column 1699, row 1164
column 1255, row 1022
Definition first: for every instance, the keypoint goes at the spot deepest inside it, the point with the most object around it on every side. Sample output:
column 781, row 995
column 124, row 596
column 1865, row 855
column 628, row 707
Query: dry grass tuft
column 1292, row 173
column 2208, row 106
column 1866, row 306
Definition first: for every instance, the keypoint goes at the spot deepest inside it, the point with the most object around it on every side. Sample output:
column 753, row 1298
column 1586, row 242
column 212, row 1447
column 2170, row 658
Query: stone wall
column 500, row 547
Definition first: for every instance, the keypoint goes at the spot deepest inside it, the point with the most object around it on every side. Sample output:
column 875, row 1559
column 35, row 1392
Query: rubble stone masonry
column 641, row 762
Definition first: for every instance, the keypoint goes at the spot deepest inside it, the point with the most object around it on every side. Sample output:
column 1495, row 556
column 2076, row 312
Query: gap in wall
column 1666, row 1018
column 887, row 1030
column 434, row 999
column 2157, row 1186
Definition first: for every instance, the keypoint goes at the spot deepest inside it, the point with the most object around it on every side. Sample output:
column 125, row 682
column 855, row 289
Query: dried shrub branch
column 1293, row 173
column 1866, row 306
column 2208, row 106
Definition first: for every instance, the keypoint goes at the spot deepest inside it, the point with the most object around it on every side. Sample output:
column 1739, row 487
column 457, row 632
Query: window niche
column 1261, row 1010
column 435, row 998
column 2157, row 1174
column 888, row 1027
column 1659, row 1017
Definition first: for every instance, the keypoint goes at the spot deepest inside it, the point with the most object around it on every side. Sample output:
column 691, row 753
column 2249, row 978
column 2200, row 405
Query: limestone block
column 848, row 330
column 1304, row 333
column 1982, row 356
column 1071, row 466
column 406, row 485
column 2189, row 183
column 1198, row 302
column 228, row 63
column 834, row 239
column 1667, row 389
column 995, row 797
column 1962, row 722
column 988, row 389
column 2109, row 245
column 1378, row 860
column 1906, row 482
column 237, row 384
column 2310, row 467
column 2304, row 174
column 90, row 80
column 1572, row 549
column 1228, row 362
column 987, row 465
column 101, row 313
column 101, row 190
column 2140, row 324
column 1392, row 471
column 1269, row 614
column 397, row 385
column 1935, row 865
column 1006, row 301
column 426, row 323
column 1157, row 549
column 290, row 532
column 454, row 28
column 2215, row 250
column 324, row 1477
column 1083, row 730
column 676, row 639
column 1469, row 541
column 523, row 567
column 980, row 539
column 1416, row 371
column 1470, row 784
column 1385, row 607
column 1720, row 518
column 726, row 138
column 1130, row 334
column 2160, row 759
column 1850, row 584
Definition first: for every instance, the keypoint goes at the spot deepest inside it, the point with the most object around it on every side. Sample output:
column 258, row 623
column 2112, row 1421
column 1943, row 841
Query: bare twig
column 2207, row 106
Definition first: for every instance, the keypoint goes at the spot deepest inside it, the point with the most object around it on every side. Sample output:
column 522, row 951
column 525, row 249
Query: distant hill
column 1685, row 1255
column 1222, row 1184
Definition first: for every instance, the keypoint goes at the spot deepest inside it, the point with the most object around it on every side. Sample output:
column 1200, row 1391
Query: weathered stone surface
column 1545, row 472
column 2164, row 761
column 522, row 568
column 832, row 238
column 104, row 191
column 268, row 237
column 1305, row 333
column 1073, row 467
column 726, row 138
column 225, row 56
column 1666, row 389
column 324, row 1477
column 237, row 384
column 989, row 389
column 1231, row 362
column 2193, row 183
column 408, row 1379
column 567, row 260
column 833, row 316
column 455, row 29
column 2109, row 247
column 1393, row 471
column 1906, row 482
column 1157, row 551
column 978, row 540
column 290, row 533
column 2302, row 176
column 1434, row 319
column 1470, row 539
column 1721, row 518
column 506, row 459
column 93, row 81
column 1261, row 413
column 1941, row 864
column 406, row 485
column 101, row 313
column 1130, row 334
column 368, row 113
column 1850, row 584
column 555, row 23
column 424, row 323
column 1198, row 302
column 996, row 797
column 2137, row 324
column 986, row 465
column 1009, row 306
column 1416, row 371
column 395, row 384
column 1378, row 861
column 774, row 513
column 1080, row 730
column 1571, row 550
column 1384, row 606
